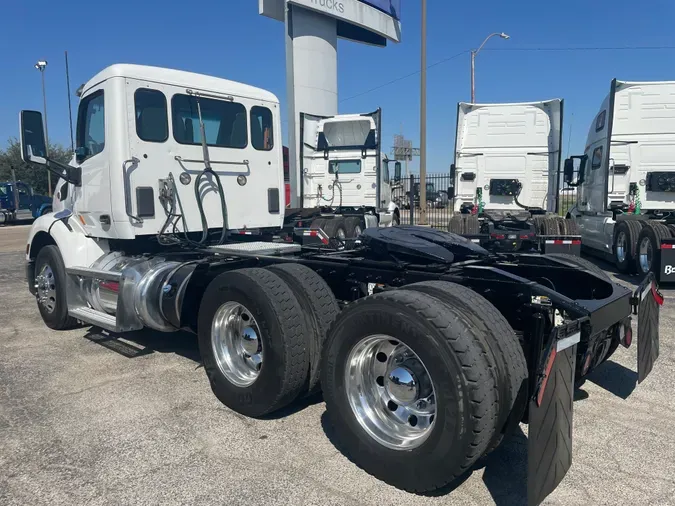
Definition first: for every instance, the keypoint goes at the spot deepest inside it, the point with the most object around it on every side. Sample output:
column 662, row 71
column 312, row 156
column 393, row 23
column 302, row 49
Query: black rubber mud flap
column 549, row 445
column 647, row 300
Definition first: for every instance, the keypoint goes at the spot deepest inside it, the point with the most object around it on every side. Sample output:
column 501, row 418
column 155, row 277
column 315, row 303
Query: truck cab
column 625, row 179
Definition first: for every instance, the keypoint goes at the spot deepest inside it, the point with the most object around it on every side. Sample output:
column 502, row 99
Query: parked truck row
column 429, row 349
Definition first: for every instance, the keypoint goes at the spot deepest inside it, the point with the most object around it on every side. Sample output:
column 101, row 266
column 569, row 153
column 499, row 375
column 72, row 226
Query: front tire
column 50, row 287
column 253, row 341
column 402, row 349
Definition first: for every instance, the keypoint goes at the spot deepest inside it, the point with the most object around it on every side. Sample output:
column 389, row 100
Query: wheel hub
column 621, row 247
column 646, row 254
column 45, row 288
column 390, row 392
column 402, row 386
column 236, row 343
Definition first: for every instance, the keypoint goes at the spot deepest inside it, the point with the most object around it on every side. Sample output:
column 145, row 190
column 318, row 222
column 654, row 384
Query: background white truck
column 344, row 184
column 507, row 176
column 625, row 180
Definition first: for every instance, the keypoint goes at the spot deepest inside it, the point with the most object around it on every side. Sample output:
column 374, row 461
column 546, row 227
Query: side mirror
column 397, row 171
column 33, row 145
column 571, row 167
column 451, row 192
column 568, row 170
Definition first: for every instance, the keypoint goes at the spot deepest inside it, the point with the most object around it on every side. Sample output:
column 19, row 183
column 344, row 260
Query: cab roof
column 180, row 78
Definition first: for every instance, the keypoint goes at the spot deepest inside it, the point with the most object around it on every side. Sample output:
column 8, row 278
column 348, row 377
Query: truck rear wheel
column 504, row 348
column 50, row 287
column 649, row 246
column 253, row 341
column 354, row 226
column 320, row 310
column 408, row 389
column 625, row 244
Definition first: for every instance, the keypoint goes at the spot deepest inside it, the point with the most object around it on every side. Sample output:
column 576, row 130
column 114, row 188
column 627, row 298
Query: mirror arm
column 62, row 171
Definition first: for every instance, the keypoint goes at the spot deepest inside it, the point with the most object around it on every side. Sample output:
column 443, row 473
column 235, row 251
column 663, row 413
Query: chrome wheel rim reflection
column 45, row 286
column 237, row 344
column 390, row 392
column 646, row 254
column 621, row 247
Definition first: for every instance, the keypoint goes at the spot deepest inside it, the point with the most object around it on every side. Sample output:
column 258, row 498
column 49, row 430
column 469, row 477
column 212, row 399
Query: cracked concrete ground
column 87, row 419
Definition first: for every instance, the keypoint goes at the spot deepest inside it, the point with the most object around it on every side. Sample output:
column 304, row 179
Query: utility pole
column 423, row 120
column 41, row 65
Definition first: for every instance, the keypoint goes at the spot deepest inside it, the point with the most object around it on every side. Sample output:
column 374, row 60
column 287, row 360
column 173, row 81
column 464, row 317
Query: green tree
column 34, row 175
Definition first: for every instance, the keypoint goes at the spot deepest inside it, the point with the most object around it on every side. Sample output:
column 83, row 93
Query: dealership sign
column 379, row 17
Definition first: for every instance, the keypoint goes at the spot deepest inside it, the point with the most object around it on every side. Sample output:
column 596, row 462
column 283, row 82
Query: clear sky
column 228, row 38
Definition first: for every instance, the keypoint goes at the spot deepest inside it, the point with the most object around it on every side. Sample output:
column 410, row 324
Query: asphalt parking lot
column 87, row 418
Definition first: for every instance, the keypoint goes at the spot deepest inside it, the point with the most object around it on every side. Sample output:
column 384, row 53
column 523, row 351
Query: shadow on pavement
column 614, row 378
column 505, row 469
column 144, row 342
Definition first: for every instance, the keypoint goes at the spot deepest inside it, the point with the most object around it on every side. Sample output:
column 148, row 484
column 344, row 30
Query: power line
column 405, row 76
column 522, row 49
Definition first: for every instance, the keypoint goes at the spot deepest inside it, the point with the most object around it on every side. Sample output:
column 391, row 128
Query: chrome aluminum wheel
column 357, row 231
column 390, row 392
column 237, row 344
column 646, row 254
column 621, row 247
column 45, row 287
column 341, row 234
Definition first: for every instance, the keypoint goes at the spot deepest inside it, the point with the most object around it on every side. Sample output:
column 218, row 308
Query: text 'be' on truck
column 507, row 178
column 625, row 180
column 429, row 350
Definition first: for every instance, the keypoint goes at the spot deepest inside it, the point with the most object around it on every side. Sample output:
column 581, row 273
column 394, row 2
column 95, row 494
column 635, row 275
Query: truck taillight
column 626, row 335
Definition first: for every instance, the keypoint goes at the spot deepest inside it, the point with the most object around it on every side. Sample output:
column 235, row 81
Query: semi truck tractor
column 625, row 179
column 429, row 349
column 343, row 181
column 18, row 201
column 507, row 177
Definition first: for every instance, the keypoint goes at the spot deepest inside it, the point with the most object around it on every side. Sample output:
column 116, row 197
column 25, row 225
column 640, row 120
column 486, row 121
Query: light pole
column 474, row 52
column 423, row 121
column 41, row 65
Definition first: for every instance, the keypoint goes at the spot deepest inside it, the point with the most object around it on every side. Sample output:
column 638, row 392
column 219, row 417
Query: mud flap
column 646, row 301
column 549, row 446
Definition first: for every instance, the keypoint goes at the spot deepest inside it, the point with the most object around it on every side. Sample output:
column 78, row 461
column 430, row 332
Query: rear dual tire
column 458, row 359
column 261, row 333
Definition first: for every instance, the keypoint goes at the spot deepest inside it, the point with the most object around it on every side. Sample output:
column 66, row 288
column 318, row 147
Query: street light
column 41, row 65
column 474, row 52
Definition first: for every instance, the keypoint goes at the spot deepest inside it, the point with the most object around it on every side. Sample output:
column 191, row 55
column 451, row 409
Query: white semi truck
column 343, row 180
column 507, row 177
column 625, row 180
column 428, row 348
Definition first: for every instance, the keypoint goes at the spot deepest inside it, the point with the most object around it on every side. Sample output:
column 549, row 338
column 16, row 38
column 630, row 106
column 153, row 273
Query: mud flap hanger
column 549, row 446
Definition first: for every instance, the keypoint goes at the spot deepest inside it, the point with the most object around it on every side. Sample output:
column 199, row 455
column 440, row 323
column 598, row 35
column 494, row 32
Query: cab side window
column 152, row 123
column 261, row 128
column 596, row 162
column 91, row 126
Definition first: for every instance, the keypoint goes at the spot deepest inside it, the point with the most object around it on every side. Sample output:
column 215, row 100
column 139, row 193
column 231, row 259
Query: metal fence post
column 411, row 198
